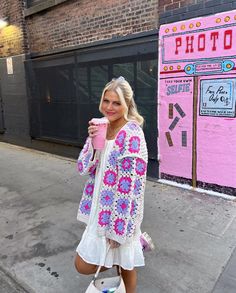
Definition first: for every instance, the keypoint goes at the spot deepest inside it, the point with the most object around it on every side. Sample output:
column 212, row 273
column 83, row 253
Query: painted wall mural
column 175, row 126
column 197, row 102
column 217, row 97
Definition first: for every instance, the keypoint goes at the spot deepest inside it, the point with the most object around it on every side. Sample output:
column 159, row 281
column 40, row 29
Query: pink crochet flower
column 107, row 197
column 121, row 138
column 89, row 189
column 126, row 164
column 124, row 185
column 85, row 206
column 134, row 144
column 110, row 178
column 122, row 205
column 140, row 167
column 119, row 226
column 104, row 218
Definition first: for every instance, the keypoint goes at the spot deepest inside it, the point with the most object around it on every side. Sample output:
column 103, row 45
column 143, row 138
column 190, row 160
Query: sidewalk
column 39, row 195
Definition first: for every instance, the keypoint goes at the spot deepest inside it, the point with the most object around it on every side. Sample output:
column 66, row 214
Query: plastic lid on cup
column 100, row 120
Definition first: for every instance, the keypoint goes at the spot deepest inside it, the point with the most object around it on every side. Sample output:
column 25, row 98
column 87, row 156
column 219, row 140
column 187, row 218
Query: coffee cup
column 100, row 138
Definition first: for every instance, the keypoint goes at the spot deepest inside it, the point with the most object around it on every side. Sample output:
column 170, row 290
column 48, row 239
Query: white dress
column 93, row 247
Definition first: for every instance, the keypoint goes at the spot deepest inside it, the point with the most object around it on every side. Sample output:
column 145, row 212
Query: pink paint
column 176, row 160
column 202, row 47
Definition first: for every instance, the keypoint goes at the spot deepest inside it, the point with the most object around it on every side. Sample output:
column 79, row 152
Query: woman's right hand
column 92, row 129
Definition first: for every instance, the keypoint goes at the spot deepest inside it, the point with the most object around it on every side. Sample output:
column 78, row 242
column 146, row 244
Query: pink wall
column 202, row 47
column 171, row 154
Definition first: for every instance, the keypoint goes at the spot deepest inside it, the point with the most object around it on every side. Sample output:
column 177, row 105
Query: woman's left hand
column 113, row 243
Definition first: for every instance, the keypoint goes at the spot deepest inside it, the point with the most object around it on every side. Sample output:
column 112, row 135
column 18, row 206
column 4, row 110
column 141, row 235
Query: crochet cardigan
column 122, row 187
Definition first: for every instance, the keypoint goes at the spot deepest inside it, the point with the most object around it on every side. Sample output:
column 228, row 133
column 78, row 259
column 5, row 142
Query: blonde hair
column 126, row 96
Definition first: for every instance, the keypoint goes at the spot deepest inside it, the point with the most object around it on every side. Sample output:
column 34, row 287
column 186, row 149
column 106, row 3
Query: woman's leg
column 129, row 277
column 130, row 280
column 85, row 268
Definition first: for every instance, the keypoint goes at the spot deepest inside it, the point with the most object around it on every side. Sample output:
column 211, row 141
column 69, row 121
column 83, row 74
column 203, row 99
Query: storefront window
column 70, row 87
column 83, row 85
column 126, row 70
column 98, row 78
column 146, row 80
column 31, row 3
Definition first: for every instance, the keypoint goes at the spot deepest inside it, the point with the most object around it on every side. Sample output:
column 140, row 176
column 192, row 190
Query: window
column 58, row 111
column 98, row 78
column 35, row 6
column 69, row 87
column 126, row 70
column 31, row 3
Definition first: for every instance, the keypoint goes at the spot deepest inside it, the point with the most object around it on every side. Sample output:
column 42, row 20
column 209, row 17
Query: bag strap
column 99, row 267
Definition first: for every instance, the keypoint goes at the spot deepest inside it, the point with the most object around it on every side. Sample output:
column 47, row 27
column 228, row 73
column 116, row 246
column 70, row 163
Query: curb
column 13, row 282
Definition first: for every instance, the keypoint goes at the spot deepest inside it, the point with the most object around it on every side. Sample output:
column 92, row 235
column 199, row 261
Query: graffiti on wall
column 174, row 87
column 175, row 121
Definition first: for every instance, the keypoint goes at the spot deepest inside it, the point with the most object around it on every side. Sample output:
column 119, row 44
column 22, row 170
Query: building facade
column 65, row 51
column 73, row 49
column 14, row 115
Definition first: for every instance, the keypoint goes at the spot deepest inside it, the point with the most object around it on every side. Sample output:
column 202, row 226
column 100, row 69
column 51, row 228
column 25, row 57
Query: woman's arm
column 88, row 159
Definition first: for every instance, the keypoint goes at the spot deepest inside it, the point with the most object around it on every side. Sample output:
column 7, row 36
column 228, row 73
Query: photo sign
column 217, row 97
column 200, row 46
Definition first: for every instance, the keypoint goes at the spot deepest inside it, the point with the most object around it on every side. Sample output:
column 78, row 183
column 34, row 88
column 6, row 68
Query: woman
column 112, row 201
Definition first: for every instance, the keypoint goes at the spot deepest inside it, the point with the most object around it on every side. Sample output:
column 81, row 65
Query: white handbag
column 106, row 285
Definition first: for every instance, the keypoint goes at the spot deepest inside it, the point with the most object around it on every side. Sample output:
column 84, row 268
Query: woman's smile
column 112, row 107
column 110, row 113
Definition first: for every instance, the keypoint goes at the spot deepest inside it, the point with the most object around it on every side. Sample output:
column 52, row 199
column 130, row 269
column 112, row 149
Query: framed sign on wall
column 217, row 97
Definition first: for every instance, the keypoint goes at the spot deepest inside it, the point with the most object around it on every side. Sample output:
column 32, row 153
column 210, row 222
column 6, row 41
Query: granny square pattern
column 122, row 186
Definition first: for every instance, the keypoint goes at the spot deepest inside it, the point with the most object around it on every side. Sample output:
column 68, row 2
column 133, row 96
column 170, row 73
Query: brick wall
column 79, row 22
column 176, row 10
column 12, row 37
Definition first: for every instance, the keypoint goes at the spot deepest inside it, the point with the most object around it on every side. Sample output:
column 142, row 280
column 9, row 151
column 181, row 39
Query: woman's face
column 111, row 106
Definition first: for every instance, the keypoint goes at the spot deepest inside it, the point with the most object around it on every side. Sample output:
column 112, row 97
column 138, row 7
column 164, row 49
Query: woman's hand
column 113, row 243
column 92, row 129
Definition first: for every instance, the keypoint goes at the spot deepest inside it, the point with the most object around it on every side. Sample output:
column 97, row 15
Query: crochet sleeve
column 86, row 164
column 127, row 209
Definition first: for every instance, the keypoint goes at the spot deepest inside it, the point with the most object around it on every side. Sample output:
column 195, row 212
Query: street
column 195, row 233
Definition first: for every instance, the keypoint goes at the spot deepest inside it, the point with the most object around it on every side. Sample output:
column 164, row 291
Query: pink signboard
column 199, row 46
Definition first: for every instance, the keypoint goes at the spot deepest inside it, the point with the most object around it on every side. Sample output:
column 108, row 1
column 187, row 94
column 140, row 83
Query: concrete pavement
column 8, row 284
column 227, row 281
column 39, row 195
